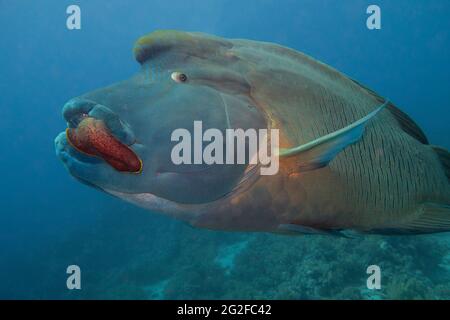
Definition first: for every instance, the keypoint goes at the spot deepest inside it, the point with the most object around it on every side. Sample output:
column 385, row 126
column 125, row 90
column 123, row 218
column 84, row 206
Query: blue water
column 49, row 221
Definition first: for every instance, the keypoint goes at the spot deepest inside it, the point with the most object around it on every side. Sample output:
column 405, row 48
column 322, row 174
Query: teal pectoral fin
column 318, row 153
column 433, row 218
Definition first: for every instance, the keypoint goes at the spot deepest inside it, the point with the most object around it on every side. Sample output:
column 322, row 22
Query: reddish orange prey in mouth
column 93, row 138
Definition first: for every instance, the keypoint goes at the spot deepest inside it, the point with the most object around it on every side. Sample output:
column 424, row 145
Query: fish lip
column 76, row 160
column 72, row 159
column 71, row 145
column 75, row 110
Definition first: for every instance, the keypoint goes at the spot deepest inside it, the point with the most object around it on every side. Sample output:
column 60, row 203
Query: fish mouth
column 95, row 131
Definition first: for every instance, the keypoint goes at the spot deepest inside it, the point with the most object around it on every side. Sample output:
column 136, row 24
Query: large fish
column 349, row 159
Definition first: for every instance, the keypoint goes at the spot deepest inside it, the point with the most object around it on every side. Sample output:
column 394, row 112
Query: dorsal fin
column 406, row 123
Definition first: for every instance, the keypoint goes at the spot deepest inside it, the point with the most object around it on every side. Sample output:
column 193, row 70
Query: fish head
column 120, row 137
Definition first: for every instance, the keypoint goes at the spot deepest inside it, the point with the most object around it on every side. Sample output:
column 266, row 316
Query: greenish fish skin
column 389, row 181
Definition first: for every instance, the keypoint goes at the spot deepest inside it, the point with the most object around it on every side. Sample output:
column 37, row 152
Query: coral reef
column 143, row 256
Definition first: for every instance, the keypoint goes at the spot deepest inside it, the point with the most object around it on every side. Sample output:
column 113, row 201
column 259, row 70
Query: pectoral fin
column 318, row 153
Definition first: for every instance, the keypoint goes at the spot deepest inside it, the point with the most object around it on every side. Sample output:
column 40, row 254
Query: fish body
column 343, row 166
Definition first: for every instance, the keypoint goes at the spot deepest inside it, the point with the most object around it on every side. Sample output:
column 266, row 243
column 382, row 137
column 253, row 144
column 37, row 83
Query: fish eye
column 178, row 77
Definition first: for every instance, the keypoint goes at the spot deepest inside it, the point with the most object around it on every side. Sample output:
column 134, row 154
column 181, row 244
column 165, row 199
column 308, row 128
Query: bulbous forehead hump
column 189, row 43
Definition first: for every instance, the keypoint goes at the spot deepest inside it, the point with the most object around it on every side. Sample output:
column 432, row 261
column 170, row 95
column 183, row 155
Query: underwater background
column 49, row 221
